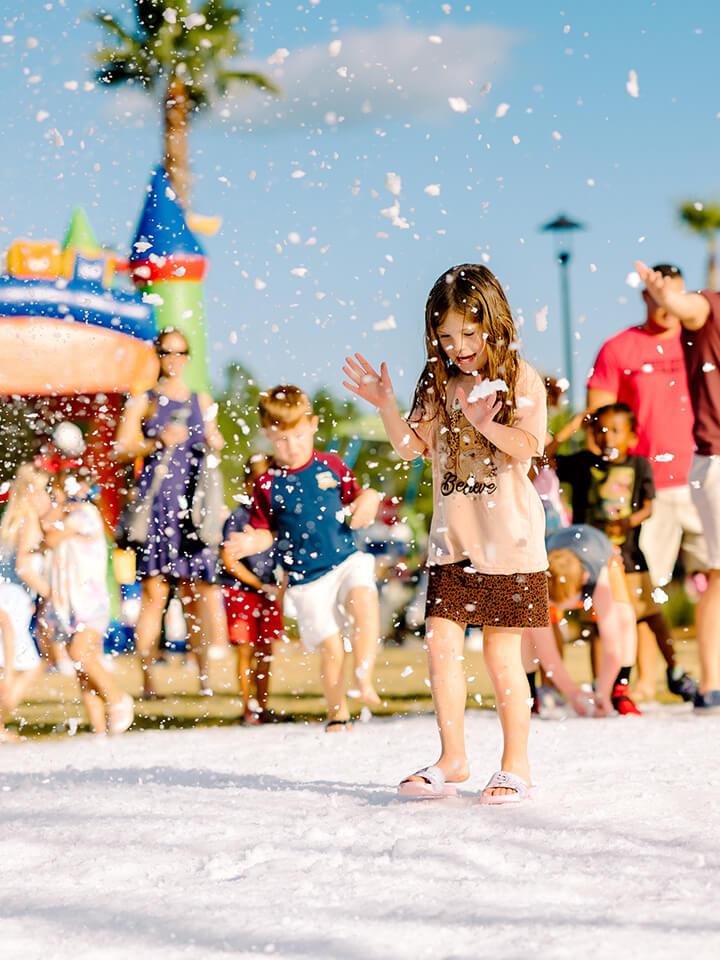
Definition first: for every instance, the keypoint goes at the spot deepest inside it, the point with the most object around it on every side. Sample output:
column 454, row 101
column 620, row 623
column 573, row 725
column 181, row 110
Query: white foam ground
column 284, row 841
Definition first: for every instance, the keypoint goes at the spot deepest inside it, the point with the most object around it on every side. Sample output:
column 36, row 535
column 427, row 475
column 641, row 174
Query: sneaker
column 622, row 702
column 535, row 709
column 708, row 702
column 681, row 684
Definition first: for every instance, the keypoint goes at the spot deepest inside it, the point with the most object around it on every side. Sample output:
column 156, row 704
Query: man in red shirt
column 699, row 314
column 644, row 367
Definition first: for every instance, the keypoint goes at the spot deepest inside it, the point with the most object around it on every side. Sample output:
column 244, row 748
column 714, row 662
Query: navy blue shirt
column 261, row 564
column 304, row 509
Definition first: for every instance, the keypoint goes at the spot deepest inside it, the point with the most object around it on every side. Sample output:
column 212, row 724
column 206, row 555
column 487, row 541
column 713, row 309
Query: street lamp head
column 562, row 223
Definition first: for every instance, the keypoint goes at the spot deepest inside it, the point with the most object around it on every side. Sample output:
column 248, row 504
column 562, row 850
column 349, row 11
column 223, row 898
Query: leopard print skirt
column 487, row 599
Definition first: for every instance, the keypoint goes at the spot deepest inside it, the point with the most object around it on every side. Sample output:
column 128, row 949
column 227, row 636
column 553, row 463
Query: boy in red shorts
column 253, row 603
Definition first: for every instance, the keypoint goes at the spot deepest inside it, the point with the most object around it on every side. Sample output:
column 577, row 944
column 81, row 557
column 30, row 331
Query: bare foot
column 643, row 694
column 366, row 694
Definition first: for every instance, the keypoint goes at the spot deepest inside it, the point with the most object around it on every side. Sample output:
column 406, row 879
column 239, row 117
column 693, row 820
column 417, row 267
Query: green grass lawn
column 53, row 704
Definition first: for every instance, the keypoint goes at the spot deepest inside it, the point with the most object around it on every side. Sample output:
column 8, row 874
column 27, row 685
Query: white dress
column 17, row 605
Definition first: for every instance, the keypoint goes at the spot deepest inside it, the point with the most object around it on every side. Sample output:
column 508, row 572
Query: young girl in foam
column 479, row 412
column 21, row 581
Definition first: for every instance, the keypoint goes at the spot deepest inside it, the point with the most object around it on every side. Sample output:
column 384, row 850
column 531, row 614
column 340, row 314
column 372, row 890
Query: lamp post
column 562, row 228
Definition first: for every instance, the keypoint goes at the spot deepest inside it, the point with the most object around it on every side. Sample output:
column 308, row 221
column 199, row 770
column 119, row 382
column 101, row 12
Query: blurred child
column 613, row 491
column 79, row 607
column 308, row 505
column 253, row 602
column 20, row 581
column 586, row 571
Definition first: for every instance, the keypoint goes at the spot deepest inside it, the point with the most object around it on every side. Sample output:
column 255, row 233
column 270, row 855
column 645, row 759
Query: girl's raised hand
column 482, row 411
column 367, row 383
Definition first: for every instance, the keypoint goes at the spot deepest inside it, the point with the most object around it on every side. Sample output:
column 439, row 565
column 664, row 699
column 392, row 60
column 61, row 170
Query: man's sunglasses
column 173, row 353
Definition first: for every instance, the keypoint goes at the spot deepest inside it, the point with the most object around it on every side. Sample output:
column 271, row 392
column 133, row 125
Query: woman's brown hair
column 474, row 290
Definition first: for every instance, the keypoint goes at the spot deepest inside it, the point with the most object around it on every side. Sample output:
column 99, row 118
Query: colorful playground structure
column 77, row 324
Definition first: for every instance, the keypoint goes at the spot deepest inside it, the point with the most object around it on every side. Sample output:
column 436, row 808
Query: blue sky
column 307, row 264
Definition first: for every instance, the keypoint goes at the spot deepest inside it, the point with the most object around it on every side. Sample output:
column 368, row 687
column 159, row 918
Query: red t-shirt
column 648, row 374
column 702, row 359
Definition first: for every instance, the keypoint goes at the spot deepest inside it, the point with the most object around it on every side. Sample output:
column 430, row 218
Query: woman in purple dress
column 172, row 428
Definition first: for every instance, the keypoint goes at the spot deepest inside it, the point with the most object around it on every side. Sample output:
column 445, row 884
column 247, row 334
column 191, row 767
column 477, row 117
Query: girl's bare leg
column 215, row 617
column 503, row 659
column 362, row 608
column 444, row 642
column 194, row 596
column 13, row 687
column 155, row 592
column 333, row 682
column 94, row 704
column 85, row 650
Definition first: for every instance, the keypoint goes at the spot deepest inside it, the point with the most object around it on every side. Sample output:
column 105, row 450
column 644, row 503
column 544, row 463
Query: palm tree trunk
column 712, row 268
column 176, row 110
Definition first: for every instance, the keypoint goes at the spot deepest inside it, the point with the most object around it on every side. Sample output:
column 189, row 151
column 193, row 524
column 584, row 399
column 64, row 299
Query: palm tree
column 189, row 53
column 704, row 218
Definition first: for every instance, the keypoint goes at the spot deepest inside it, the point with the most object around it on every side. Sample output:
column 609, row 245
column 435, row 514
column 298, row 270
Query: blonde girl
column 21, row 581
column 479, row 413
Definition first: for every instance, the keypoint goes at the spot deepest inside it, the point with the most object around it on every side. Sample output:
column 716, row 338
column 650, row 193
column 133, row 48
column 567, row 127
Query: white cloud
column 393, row 71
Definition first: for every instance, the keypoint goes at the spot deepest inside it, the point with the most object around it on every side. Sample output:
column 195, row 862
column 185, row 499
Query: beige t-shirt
column 485, row 507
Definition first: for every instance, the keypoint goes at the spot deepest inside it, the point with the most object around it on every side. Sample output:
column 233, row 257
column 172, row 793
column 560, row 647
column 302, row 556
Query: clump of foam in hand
column 485, row 389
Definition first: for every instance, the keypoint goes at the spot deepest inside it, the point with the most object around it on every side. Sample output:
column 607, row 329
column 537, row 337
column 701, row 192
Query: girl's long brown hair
column 473, row 289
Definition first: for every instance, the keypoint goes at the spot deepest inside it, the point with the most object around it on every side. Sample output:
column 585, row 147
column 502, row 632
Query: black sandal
column 345, row 724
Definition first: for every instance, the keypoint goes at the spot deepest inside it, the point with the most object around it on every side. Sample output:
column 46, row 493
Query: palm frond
column 149, row 15
column 108, row 22
column 226, row 78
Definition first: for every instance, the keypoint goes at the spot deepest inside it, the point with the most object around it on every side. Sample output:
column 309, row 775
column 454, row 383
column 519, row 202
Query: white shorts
column 16, row 604
column 674, row 523
column 319, row 606
column 705, row 489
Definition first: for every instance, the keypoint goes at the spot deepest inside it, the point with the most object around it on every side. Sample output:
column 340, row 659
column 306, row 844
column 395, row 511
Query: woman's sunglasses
column 173, row 353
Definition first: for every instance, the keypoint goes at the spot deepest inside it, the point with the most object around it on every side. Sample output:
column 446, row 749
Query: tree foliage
column 176, row 39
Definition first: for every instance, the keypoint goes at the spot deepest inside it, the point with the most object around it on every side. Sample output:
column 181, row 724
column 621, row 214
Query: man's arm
column 691, row 309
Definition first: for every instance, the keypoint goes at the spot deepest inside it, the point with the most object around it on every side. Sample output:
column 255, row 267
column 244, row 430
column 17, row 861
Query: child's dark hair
column 610, row 408
column 474, row 290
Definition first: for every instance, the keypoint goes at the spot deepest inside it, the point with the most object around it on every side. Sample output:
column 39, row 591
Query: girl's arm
column 129, row 441
column 237, row 568
column 512, row 441
column 376, row 388
column 24, row 566
column 213, row 437
column 59, row 525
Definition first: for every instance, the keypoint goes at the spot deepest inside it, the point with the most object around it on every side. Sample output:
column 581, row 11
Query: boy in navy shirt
column 308, row 506
column 253, row 603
